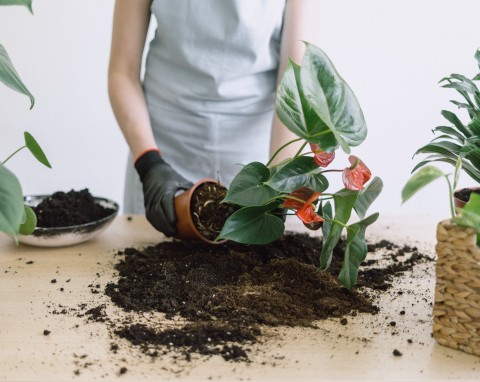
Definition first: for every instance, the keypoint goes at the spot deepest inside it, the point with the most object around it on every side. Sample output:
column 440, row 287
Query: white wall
column 392, row 54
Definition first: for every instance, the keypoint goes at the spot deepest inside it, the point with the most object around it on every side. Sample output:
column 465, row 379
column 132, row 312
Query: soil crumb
column 63, row 209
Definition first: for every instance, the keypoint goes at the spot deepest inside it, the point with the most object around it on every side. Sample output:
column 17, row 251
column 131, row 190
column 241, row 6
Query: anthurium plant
column 15, row 217
column 316, row 104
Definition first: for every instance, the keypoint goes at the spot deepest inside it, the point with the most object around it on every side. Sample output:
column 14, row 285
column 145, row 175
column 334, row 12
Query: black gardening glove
column 160, row 183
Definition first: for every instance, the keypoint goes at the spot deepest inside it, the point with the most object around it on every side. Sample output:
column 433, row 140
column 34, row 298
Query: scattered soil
column 208, row 213
column 63, row 209
column 227, row 294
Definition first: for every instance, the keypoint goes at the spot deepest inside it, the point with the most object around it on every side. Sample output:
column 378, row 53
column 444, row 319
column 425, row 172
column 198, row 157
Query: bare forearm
column 299, row 25
column 130, row 109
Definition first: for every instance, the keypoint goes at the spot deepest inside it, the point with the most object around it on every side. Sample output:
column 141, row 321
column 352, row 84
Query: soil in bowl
column 64, row 209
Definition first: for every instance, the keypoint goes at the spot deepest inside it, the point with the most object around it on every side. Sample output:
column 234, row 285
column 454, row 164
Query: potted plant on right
column 459, row 139
column 456, row 310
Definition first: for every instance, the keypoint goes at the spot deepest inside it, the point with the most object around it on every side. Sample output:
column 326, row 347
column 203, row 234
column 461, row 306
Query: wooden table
column 43, row 289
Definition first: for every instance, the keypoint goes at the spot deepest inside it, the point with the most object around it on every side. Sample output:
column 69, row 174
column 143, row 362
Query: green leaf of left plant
column 12, row 212
column 246, row 224
column 355, row 250
column 10, row 77
column 25, row 3
column 35, row 149
column 30, row 223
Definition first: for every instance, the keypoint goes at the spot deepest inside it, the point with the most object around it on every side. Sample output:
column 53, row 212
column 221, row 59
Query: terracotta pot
column 459, row 203
column 186, row 229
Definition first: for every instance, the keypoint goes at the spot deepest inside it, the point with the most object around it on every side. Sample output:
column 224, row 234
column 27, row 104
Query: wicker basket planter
column 456, row 311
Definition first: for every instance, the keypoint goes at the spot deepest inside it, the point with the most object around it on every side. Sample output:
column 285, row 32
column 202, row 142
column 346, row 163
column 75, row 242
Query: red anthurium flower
column 302, row 201
column 355, row 176
column 321, row 158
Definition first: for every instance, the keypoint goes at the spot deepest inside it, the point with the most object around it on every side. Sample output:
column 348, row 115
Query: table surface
column 80, row 350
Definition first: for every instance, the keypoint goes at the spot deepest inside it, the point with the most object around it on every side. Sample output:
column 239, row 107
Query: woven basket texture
column 456, row 311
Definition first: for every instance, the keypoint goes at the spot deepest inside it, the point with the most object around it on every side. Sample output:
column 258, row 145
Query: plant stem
column 335, row 221
column 16, row 151
column 300, row 149
column 281, row 148
column 450, row 189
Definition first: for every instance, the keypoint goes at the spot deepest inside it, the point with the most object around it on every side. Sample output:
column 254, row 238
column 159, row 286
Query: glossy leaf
column 253, row 225
column 299, row 172
column 248, row 188
column 297, row 115
column 10, row 77
column 450, row 131
column 474, row 126
column 12, row 212
column 420, row 179
column 25, row 3
column 327, row 212
column 477, row 57
column 355, row 251
column 469, row 169
column 367, row 196
column 35, row 149
column 344, row 202
column 331, row 98
column 443, row 148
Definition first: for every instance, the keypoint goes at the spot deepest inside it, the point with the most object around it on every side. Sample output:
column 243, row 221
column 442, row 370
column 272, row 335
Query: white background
column 392, row 54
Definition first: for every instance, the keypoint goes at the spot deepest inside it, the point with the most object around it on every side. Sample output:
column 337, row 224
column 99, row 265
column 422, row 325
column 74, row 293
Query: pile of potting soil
column 227, row 293
column 64, row 209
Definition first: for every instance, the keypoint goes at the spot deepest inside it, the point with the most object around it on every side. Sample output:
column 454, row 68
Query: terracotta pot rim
column 189, row 194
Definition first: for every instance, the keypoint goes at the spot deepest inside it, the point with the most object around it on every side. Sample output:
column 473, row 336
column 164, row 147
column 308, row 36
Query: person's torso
column 214, row 56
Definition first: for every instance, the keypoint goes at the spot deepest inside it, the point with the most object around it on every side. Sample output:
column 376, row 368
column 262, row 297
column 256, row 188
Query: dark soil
column 464, row 193
column 208, row 213
column 64, row 209
column 229, row 292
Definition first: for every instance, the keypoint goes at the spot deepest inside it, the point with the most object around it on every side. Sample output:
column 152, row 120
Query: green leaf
column 355, row 251
column 344, row 202
column 248, row 189
column 470, row 215
column 299, row 172
column 474, row 126
column 12, row 212
column 367, row 196
column 296, row 114
column 454, row 134
column 463, row 83
column 25, row 3
column 451, row 117
column 10, row 77
column 469, row 169
column 332, row 99
column 35, row 149
column 327, row 213
column 420, row 179
column 28, row 226
column 445, row 148
column 253, row 225
column 477, row 57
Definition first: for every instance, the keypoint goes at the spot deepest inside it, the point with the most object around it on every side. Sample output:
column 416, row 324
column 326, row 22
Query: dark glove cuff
column 146, row 161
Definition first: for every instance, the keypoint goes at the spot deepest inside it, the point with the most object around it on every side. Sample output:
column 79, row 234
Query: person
column 206, row 101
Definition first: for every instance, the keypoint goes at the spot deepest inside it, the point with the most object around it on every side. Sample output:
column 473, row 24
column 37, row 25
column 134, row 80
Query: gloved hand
column 160, row 183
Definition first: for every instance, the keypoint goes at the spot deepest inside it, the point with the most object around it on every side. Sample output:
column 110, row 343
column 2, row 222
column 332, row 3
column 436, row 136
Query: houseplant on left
column 15, row 216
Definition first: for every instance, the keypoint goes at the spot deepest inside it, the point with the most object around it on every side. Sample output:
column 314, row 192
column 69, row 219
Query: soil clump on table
column 64, row 209
column 221, row 297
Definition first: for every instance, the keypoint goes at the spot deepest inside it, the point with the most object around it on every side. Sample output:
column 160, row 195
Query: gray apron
column 209, row 83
